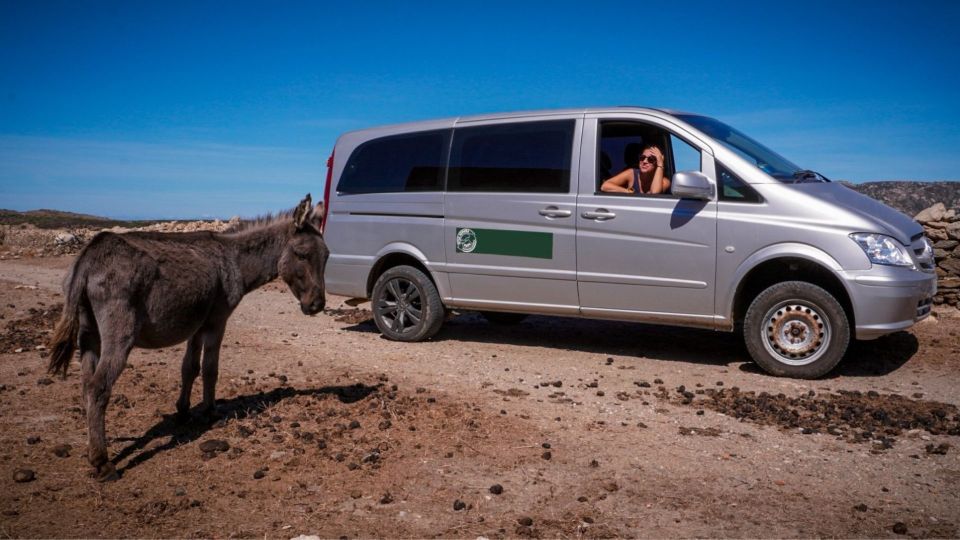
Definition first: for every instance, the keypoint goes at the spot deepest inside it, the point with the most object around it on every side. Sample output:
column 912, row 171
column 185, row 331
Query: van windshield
column 765, row 159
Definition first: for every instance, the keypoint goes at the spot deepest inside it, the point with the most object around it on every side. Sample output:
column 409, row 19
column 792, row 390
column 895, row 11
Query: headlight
column 882, row 249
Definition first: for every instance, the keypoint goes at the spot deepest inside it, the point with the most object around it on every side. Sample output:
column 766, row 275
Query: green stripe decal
column 538, row 245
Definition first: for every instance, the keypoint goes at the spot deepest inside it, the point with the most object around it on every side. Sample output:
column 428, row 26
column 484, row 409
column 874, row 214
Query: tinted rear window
column 530, row 157
column 398, row 163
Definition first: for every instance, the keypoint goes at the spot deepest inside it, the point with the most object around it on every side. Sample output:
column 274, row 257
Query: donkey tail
column 64, row 341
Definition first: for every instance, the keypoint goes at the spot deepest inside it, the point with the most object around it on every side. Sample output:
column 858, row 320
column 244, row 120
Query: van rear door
column 509, row 230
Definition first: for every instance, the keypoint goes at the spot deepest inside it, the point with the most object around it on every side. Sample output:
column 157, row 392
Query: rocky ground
column 550, row 428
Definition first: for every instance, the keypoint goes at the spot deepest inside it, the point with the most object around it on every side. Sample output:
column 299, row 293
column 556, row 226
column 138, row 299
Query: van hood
column 896, row 224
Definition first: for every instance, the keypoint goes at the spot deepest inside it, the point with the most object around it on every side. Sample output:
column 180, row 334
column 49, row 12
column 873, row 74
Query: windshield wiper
column 806, row 175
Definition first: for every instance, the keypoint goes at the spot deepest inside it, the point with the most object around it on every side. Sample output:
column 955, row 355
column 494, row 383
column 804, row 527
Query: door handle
column 554, row 212
column 600, row 215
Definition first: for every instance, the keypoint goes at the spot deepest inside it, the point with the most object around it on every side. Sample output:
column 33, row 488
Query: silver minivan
column 504, row 214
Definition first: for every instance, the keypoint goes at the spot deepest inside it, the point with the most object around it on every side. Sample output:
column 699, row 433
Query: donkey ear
column 316, row 217
column 302, row 211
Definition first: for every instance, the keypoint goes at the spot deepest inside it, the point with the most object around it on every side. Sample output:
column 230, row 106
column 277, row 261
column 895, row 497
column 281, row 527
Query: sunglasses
column 649, row 159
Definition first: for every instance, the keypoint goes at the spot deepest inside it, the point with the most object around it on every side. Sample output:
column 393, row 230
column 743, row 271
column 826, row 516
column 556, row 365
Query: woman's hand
column 659, row 155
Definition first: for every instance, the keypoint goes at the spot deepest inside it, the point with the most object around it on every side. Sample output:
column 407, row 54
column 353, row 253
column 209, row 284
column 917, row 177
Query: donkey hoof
column 210, row 416
column 107, row 473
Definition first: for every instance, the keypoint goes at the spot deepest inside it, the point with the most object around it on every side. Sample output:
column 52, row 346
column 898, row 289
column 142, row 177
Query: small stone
column 900, row 528
column 387, row 498
column 259, row 474
column 214, row 445
column 24, row 475
column 940, row 449
column 611, row 487
column 33, row 440
column 860, row 507
column 546, row 445
column 62, row 450
column 459, row 505
column 547, row 456
column 496, row 489
column 180, row 492
column 525, row 521
column 354, row 424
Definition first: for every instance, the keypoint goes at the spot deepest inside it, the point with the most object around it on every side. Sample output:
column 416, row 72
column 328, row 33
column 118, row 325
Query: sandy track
column 580, row 422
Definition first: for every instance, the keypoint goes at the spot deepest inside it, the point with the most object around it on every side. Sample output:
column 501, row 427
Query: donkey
column 153, row 290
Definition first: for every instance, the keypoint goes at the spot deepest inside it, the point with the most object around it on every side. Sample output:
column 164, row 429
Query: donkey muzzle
column 314, row 307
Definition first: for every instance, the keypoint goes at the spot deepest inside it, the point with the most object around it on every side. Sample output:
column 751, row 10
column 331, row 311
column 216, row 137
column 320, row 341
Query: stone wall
column 29, row 241
column 942, row 227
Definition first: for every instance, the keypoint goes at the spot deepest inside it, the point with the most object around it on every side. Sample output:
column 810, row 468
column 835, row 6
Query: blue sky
column 187, row 109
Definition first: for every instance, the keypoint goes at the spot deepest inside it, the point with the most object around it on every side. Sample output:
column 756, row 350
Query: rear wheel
column 796, row 329
column 406, row 305
column 499, row 317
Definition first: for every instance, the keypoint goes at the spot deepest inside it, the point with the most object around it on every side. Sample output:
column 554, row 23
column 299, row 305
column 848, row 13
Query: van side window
column 396, row 163
column 529, row 157
column 733, row 189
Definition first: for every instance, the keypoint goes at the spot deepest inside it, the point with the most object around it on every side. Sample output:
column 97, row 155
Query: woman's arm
column 618, row 183
column 660, row 183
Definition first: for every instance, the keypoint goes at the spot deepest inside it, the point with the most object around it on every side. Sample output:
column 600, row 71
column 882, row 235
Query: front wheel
column 406, row 305
column 796, row 329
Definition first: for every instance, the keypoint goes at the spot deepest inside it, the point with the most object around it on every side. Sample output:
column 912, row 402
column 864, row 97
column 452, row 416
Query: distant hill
column 56, row 219
column 911, row 197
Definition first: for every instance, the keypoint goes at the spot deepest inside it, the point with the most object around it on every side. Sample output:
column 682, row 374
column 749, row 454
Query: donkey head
column 305, row 256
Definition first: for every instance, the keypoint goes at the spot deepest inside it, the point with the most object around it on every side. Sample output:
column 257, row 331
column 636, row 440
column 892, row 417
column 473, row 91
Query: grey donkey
column 153, row 290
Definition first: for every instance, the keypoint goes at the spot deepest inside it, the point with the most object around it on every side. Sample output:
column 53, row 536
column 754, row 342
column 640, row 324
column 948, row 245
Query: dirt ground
column 550, row 428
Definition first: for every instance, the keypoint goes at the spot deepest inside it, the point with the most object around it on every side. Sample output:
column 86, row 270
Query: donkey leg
column 89, row 338
column 113, row 358
column 189, row 371
column 212, row 338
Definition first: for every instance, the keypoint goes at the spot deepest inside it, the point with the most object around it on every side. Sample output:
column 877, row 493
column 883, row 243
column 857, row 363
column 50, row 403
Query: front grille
column 923, row 254
column 924, row 306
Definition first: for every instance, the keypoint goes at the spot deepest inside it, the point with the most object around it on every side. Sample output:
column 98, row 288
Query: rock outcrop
column 942, row 227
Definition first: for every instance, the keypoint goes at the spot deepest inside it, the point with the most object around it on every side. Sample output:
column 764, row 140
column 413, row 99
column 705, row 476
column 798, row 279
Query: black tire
column 406, row 305
column 506, row 319
column 796, row 329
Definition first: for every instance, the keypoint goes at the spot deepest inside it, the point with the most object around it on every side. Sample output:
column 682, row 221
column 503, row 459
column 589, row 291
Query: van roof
column 450, row 121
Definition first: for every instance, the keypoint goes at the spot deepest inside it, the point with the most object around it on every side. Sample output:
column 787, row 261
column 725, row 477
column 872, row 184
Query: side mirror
column 691, row 185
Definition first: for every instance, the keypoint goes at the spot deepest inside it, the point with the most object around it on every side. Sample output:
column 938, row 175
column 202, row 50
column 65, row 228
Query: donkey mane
column 260, row 222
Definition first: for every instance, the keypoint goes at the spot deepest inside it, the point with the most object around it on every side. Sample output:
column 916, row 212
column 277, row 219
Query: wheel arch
column 397, row 254
column 787, row 263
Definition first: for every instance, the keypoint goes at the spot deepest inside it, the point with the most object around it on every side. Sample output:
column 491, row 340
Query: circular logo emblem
column 466, row 240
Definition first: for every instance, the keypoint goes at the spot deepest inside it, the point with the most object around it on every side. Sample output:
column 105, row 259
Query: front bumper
column 889, row 299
